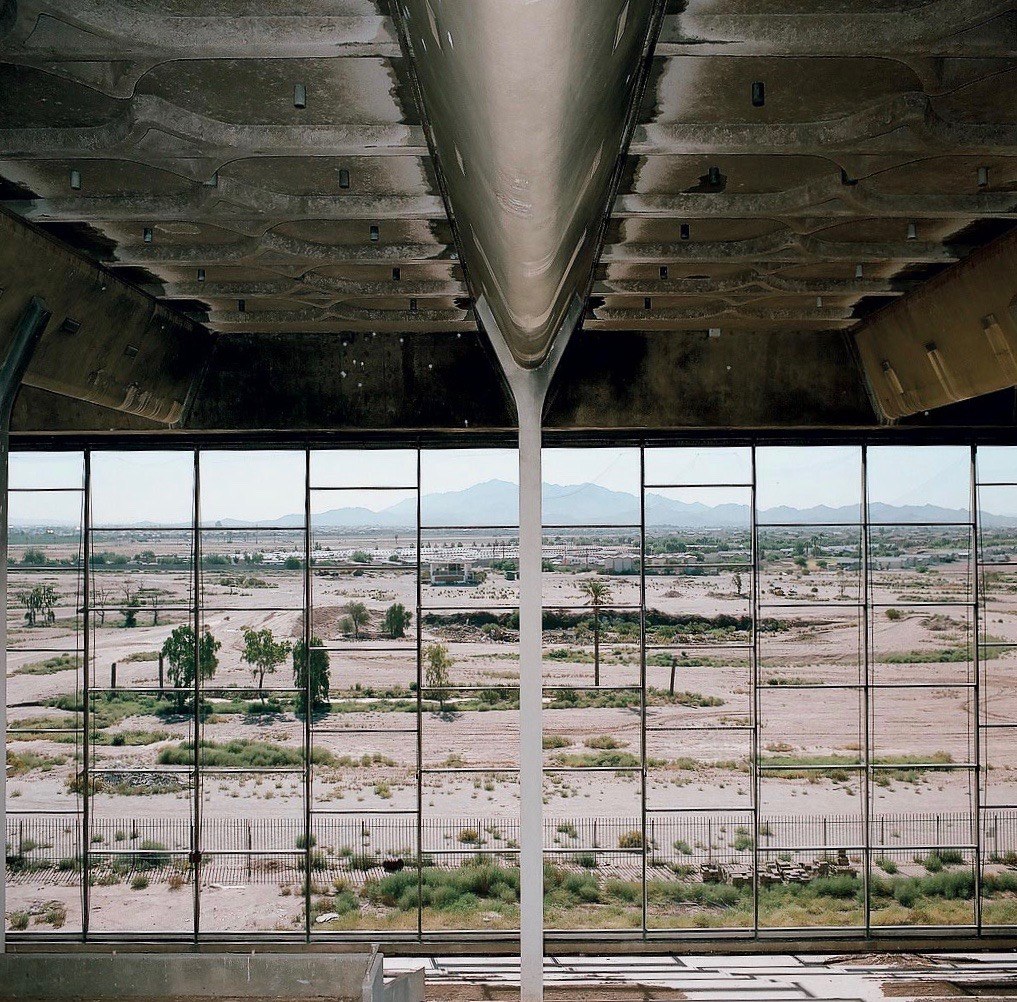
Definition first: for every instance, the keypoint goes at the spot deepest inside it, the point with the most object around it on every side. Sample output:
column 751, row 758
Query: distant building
column 453, row 572
column 619, row 565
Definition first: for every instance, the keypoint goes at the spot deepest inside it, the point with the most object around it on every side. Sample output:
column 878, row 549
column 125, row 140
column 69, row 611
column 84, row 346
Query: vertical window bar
column 308, row 689
column 86, row 653
column 976, row 553
column 867, row 639
column 642, row 672
column 420, row 731
column 754, row 686
column 196, row 840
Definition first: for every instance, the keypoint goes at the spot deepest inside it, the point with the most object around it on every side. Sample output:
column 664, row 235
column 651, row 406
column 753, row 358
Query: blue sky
column 130, row 487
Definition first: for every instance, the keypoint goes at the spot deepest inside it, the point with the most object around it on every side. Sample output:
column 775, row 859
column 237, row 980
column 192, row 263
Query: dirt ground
column 810, row 705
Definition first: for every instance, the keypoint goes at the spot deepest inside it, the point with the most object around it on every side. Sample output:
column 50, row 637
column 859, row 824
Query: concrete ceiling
column 264, row 168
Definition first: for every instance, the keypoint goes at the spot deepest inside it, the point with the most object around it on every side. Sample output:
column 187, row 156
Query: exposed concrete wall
column 129, row 353
column 686, row 380
column 352, row 381
column 107, row 977
column 654, row 380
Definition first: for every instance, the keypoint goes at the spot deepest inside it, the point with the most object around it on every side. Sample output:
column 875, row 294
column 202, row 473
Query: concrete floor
column 774, row 978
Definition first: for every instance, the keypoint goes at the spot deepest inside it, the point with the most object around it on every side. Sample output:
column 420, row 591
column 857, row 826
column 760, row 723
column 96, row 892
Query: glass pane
column 364, row 873
column 469, row 487
column 997, row 523
column 374, row 771
column 997, row 464
column 363, row 468
column 699, row 871
column 999, row 854
column 811, row 565
column 698, row 687
column 813, row 790
column 810, row 726
column 151, row 488
column 469, row 568
column 256, row 811
column 591, row 486
column 999, row 766
column 591, row 568
column 808, row 484
column 602, row 890
column 929, row 726
column 468, row 892
column 43, row 872
column 921, row 564
column 46, row 519
column 810, row 647
column 602, row 738
column 922, row 888
column 698, row 769
column 143, row 890
column 252, row 569
column 242, row 488
column 808, row 889
column 252, row 892
column 692, row 466
column 923, row 644
column 29, row 470
column 922, row 484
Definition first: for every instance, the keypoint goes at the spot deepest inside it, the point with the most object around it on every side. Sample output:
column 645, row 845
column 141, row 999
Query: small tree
column 130, row 607
column 264, row 654
column 101, row 595
column 178, row 650
column 397, row 618
column 318, row 665
column 736, row 580
column 598, row 593
column 358, row 615
column 437, row 676
column 39, row 603
column 34, row 557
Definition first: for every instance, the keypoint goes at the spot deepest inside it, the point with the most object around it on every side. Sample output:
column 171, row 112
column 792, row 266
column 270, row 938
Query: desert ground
column 820, row 716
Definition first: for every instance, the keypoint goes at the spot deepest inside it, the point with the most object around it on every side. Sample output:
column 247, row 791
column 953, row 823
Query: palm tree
column 598, row 593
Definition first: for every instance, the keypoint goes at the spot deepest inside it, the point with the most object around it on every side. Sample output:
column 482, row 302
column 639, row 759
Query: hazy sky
column 132, row 487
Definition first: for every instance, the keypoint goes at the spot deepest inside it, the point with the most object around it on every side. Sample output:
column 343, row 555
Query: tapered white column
column 12, row 370
column 529, row 403
column 529, row 390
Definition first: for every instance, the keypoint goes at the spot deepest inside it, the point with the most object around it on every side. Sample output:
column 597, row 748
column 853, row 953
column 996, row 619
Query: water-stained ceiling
column 263, row 165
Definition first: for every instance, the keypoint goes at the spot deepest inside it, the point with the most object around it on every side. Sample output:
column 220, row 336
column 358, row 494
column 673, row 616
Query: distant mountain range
column 495, row 502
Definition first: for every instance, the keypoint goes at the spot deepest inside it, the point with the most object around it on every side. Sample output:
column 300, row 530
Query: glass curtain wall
column 276, row 693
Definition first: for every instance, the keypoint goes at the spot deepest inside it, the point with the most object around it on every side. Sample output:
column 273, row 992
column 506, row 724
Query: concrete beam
column 250, row 211
column 937, row 28
column 781, row 246
column 953, row 338
column 109, row 344
column 827, row 197
column 147, row 121
column 901, row 123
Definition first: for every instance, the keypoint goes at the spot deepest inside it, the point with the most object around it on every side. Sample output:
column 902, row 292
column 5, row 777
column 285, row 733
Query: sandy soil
column 697, row 745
